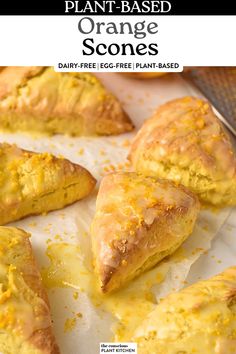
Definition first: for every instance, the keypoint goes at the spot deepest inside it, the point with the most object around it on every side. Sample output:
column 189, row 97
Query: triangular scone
column 138, row 221
column 25, row 323
column 38, row 99
column 185, row 142
column 200, row 319
column 32, row 183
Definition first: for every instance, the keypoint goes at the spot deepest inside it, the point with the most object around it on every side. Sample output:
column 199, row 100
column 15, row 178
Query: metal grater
column 218, row 85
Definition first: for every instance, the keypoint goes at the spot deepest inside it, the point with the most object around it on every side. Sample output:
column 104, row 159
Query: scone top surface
column 42, row 100
column 25, row 322
column 138, row 221
column 32, row 183
column 185, row 142
column 199, row 319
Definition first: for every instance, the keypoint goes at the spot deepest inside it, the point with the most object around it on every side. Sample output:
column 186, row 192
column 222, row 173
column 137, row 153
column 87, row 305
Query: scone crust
column 19, row 257
column 42, row 100
column 199, row 319
column 184, row 141
column 33, row 183
column 138, row 221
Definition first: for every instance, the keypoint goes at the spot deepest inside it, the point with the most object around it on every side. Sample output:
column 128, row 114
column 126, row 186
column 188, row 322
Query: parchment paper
column 100, row 156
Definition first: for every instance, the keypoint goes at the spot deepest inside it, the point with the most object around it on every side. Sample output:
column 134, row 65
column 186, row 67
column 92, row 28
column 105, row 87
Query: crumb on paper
column 206, row 227
column 77, row 314
column 141, row 101
column 184, row 282
column 47, row 230
column 113, row 143
column 102, row 152
column 106, row 161
column 75, row 295
column 219, row 261
column 160, row 277
column 58, row 237
column 122, row 166
column 109, row 168
column 81, row 152
column 70, row 324
column 126, row 143
column 130, row 97
column 32, row 224
column 198, row 250
column 149, row 296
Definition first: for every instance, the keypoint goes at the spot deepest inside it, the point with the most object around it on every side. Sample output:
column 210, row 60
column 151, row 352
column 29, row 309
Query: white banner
column 118, row 43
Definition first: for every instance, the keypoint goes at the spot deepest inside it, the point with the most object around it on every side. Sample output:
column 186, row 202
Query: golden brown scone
column 25, row 323
column 145, row 75
column 185, row 142
column 138, row 221
column 33, row 183
column 38, row 99
column 200, row 319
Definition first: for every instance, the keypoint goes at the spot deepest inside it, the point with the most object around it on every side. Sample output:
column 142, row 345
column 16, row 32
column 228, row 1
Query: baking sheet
column 82, row 334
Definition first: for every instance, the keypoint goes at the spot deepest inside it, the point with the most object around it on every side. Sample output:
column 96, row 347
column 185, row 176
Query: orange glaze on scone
column 185, row 142
column 138, row 221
